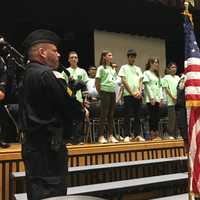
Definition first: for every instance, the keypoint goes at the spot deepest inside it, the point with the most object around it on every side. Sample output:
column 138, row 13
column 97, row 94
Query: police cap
column 41, row 36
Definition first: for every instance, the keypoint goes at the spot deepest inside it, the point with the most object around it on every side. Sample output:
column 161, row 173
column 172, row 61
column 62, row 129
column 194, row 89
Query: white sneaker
column 171, row 138
column 121, row 138
column 112, row 139
column 179, row 137
column 139, row 139
column 157, row 138
column 102, row 140
column 127, row 139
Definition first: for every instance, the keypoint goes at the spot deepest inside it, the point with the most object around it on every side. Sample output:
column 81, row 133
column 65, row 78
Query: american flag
column 192, row 95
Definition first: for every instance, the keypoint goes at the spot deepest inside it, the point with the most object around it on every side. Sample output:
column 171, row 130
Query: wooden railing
column 92, row 154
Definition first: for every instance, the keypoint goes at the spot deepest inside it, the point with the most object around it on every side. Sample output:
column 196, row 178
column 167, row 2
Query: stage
column 92, row 154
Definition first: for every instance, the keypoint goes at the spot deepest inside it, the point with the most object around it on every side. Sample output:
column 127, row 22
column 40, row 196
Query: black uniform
column 45, row 107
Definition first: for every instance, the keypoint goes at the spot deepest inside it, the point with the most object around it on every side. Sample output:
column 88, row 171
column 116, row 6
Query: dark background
column 75, row 21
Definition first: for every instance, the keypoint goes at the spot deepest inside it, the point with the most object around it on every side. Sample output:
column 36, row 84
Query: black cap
column 41, row 36
column 131, row 52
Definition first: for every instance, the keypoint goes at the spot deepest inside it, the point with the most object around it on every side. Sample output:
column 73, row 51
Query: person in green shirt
column 153, row 95
column 170, row 82
column 131, row 76
column 77, row 74
column 105, row 86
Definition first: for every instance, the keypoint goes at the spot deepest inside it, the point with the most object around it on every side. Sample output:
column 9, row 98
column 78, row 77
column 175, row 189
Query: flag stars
column 193, row 50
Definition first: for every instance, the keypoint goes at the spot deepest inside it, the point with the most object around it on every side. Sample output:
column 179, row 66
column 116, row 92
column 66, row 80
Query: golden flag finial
column 186, row 11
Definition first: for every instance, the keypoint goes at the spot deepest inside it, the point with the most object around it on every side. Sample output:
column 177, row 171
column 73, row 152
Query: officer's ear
column 42, row 52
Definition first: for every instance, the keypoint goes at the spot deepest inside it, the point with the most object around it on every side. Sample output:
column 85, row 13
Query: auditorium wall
column 119, row 43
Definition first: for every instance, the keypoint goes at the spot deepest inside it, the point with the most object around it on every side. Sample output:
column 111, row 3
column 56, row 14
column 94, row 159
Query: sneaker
column 127, row 139
column 179, row 137
column 121, row 138
column 112, row 139
column 4, row 144
column 157, row 138
column 102, row 140
column 132, row 139
column 171, row 138
column 139, row 139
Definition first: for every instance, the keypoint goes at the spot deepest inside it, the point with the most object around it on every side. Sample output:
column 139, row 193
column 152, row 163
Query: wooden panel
column 90, row 154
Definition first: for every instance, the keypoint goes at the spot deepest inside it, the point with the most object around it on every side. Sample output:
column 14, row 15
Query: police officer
column 45, row 107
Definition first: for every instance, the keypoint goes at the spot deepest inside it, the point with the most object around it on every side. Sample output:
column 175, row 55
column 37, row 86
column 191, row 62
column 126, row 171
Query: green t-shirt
column 133, row 75
column 170, row 82
column 78, row 74
column 152, row 87
column 107, row 76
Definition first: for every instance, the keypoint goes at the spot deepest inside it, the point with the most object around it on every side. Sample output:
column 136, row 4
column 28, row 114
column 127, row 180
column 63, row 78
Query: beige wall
column 119, row 43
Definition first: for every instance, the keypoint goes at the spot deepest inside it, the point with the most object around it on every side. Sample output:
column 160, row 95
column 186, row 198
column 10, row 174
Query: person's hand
column 152, row 102
column 2, row 95
column 86, row 103
column 137, row 94
column 94, row 98
column 174, row 100
column 87, row 114
column 161, row 104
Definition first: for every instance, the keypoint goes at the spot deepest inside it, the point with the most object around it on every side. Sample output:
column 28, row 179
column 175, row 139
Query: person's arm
column 140, row 87
column 97, row 84
column 2, row 95
column 120, row 93
column 126, row 85
column 170, row 95
column 148, row 90
column 150, row 93
column 161, row 95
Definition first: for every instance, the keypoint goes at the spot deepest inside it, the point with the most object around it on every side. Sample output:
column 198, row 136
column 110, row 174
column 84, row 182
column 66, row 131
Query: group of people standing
column 137, row 88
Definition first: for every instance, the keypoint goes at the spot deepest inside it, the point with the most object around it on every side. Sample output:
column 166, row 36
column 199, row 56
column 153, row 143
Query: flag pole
column 191, row 196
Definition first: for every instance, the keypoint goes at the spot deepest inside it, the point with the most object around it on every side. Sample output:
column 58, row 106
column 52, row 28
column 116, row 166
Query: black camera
column 73, row 84
column 9, row 53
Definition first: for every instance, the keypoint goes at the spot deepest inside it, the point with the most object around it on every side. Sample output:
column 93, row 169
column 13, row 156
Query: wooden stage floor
column 92, row 154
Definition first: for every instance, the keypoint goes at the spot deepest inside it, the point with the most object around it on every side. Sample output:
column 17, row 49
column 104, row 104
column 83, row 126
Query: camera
column 10, row 54
column 76, row 85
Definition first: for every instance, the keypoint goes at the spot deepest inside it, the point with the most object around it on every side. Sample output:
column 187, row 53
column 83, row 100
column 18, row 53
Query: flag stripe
column 192, row 75
column 192, row 82
column 192, row 68
column 192, row 91
column 192, row 61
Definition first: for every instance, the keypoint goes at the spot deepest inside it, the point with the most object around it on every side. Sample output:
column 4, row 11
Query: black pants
column 46, row 172
column 154, row 116
column 132, row 107
column 181, row 115
column 8, row 123
column 107, row 109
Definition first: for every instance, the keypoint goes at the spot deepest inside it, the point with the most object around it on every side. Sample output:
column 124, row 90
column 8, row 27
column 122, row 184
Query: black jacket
column 45, row 105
